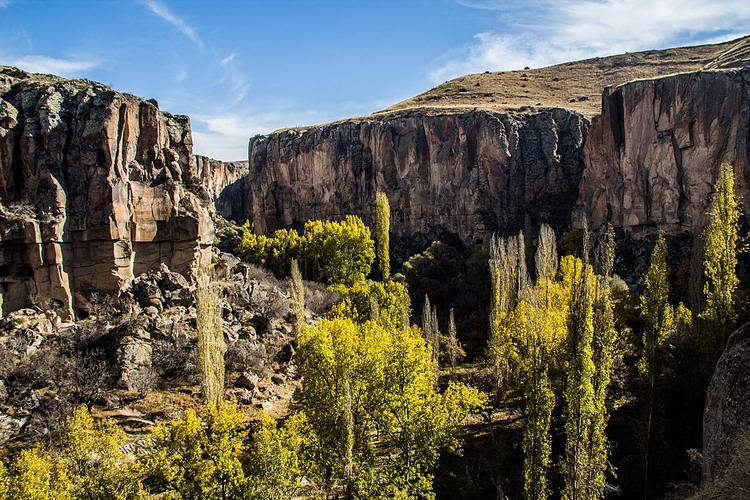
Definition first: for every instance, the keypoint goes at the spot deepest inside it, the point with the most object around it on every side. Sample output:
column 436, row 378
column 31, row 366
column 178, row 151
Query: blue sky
column 239, row 68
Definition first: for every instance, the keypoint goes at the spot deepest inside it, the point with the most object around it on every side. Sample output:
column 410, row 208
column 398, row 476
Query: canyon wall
column 220, row 182
column 654, row 153
column 92, row 192
column 464, row 174
column 647, row 163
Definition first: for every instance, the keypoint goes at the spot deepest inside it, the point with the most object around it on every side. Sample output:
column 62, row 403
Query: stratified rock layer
column 653, row 155
column 90, row 181
column 466, row 174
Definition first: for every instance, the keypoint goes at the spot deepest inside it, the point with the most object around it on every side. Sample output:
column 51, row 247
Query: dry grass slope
column 575, row 85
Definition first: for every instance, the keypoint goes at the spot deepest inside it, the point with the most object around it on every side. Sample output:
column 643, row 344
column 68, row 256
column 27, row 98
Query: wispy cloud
column 234, row 79
column 162, row 11
column 52, row 65
column 5, row 3
column 566, row 30
column 225, row 136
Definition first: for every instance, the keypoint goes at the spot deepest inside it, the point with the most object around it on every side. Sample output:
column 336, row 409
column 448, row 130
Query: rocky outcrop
column 465, row 174
column 220, row 180
column 727, row 414
column 653, row 155
column 92, row 191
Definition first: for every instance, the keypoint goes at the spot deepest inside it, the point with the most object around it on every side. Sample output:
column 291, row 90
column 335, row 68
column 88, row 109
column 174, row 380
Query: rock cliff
column 466, row 174
column 92, row 191
column 219, row 181
column 654, row 153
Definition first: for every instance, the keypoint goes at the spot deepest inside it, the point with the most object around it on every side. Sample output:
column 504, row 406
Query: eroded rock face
column 727, row 413
column 467, row 174
column 221, row 181
column 92, row 191
column 653, row 155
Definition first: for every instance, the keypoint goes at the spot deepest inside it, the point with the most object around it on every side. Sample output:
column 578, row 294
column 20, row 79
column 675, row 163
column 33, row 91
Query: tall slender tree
column 297, row 289
column 603, row 344
column 382, row 236
column 658, row 319
column 454, row 347
column 211, row 348
column 578, row 400
column 720, row 263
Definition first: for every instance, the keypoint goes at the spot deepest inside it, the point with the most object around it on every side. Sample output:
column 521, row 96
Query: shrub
column 334, row 253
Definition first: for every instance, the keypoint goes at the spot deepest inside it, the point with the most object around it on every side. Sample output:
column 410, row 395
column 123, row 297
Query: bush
column 334, row 253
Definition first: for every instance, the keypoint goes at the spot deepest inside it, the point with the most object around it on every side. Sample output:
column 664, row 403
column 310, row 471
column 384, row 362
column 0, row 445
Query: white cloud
column 162, row 11
column 225, row 136
column 569, row 30
column 235, row 79
column 52, row 65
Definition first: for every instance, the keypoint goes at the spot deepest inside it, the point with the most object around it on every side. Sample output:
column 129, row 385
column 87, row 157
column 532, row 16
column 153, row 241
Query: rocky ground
column 134, row 357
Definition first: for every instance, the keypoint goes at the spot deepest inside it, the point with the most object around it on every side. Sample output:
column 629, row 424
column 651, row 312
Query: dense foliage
column 364, row 381
column 333, row 253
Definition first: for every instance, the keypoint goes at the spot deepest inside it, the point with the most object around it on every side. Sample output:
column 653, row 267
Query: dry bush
column 176, row 358
column 247, row 356
column 269, row 303
column 734, row 482
column 262, row 275
column 320, row 299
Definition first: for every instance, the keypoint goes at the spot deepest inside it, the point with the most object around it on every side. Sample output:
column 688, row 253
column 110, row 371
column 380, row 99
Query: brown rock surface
column 90, row 182
column 654, row 154
column 727, row 413
column 220, row 179
column 467, row 174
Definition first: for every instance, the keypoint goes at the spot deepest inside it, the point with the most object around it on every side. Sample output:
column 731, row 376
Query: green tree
column 603, row 345
column 275, row 459
column 209, row 326
column 339, row 253
column 382, row 229
column 35, row 476
column 198, row 458
column 96, row 467
column 366, row 380
column 391, row 299
column 720, row 263
column 578, row 399
column 659, row 324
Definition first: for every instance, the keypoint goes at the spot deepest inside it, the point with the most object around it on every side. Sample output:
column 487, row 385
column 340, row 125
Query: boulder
column 247, row 380
column 727, row 413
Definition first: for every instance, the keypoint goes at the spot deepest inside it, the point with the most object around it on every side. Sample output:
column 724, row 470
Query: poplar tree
column 546, row 253
column 382, row 229
column 430, row 328
column 509, row 277
column 297, row 292
column 578, row 400
column 603, row 344
column 720, row 262
column 658, row 319
column 454, row 347
column 211, row 348
column 539, row 403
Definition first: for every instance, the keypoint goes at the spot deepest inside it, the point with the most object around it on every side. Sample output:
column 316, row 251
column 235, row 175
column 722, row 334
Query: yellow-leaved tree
column 364, row 381
column 382, row 236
